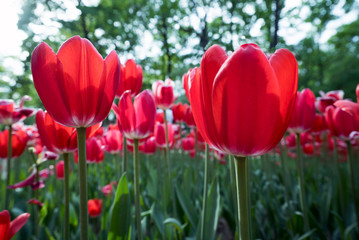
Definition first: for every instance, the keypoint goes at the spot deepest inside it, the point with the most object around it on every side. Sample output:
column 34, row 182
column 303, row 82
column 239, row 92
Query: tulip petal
column 145, row 110
column 109, row 88
column 126, row 114
column 246, row 102
column 17, row 224
column 285, row 67
column 47, row 78
column 83, row 78
column 4, row 224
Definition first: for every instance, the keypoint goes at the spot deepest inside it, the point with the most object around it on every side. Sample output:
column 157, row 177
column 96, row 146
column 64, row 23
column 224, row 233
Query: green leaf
column 43, row 214
column 348, row 231
column 120, row 212
column 212, row 211
column 158, row 217
column 176, row 224
column 306, row 235
column 188, row 207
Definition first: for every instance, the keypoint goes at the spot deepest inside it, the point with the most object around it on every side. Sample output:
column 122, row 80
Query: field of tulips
column 250, row 157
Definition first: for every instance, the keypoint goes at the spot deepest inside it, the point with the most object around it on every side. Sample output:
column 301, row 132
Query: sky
column 10, row 42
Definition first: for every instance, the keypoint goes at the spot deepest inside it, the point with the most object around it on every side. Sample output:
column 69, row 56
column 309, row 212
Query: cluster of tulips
column 243, row 105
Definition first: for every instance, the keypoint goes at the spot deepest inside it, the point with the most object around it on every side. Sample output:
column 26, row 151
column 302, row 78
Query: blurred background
column 167, row 37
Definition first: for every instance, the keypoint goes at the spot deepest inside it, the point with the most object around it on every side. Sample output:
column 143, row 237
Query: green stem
column 303, row 203
column 124, row 167
column 67, row 196
column 81, row 142
column 352, row 178
column 242, row 196
column 234, row 187
column 205, row 186
column 8, row 170
column 136, row 166
column 169, row 165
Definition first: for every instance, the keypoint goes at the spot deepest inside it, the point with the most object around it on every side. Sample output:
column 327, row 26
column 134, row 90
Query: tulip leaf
column 176, row 224
column 188, row 207
column 120, row 212
column 212, row 212
column 157, row 216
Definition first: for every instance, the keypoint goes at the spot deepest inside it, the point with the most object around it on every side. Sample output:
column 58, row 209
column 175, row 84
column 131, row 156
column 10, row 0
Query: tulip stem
column 303, row 203
column 124, row 166
column 233, row 187
column 205, row 186
column 169, row 165
column 242, row 196
column 67, row 196
column 352, row 178
column 8, row 171
column 136, row 166
column 81, row 142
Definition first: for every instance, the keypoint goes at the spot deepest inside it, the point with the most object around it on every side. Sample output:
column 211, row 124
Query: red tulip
column 149, row 146
column 336, row 94
column 94, row 207
column 304, row 112
column 242, row 104
column 18, row 141
column 9, row 229
column 163, row 92
column 160, row 134
column 131, row 79
column 160, row 117
column 113, row 141
column 357, row 93
column 136, row 119
column 188, row 144
column 60, row 170
column 9, row 114
column 178, row 111
column 188, row 118
column 319, row 124
column 343, row 118
column 76, row 86
column 108, row 189
column 94, row 153
column 56, row 137
column 291, row 141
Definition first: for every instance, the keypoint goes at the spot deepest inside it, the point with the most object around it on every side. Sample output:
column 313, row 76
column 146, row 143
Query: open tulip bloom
column 9, row 228
column 242, row 104
column 77, row 87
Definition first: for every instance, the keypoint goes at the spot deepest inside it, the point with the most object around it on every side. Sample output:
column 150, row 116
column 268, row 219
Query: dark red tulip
column 113, row 141
column 35, row 202
column 160, row 134
column 9, row 228
column 304, row 112
column 163, row 92
column 242, row 104
column 9, row 114
column 343, row 118
column 94, row 207
column 136, row 119
column 131, row 78
column 291, row 141
column 76, row 86
column 18, row 141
